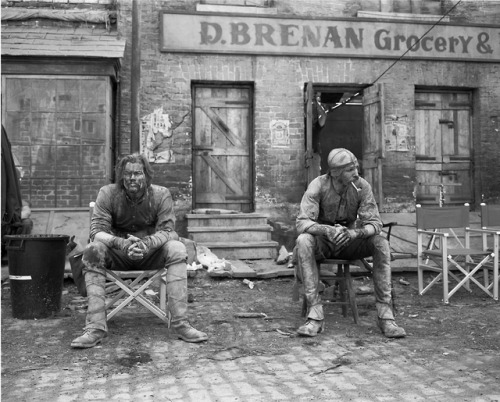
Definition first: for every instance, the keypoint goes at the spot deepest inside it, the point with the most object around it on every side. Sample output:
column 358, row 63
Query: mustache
column 135, row 182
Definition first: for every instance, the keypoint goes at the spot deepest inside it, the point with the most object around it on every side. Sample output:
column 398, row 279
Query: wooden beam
column 224, row 129
column 135, row 86
column 222, row 175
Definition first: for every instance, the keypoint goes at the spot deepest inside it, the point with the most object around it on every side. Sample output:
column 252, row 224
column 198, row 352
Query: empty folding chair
column 449, row 258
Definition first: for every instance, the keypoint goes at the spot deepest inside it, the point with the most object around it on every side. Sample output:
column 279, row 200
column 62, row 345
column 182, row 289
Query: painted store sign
column 333, row 38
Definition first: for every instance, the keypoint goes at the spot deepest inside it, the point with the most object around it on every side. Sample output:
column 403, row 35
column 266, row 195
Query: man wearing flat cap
column 339, row 218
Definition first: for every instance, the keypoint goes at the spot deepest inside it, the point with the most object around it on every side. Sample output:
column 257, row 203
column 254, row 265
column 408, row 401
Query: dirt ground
column 470, row 321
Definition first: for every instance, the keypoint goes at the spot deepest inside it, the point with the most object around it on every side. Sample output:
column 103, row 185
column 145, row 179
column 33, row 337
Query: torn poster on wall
column 280, row 133
column 156, row 137
column 396, row 134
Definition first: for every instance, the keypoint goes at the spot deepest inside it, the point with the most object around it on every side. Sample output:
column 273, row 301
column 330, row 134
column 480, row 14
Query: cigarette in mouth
column 357, row 189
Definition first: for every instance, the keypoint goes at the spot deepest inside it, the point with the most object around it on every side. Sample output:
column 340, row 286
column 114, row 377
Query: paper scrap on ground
column 213, row 263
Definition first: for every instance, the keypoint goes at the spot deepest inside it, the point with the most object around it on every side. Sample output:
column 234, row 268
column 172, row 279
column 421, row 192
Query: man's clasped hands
column 134, row 247
column 340, row 235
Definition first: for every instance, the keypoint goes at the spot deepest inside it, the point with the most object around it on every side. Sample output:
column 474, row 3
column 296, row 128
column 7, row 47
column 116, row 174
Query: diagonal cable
column 397, row 60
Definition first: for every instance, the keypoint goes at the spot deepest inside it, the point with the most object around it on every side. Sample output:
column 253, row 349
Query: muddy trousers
column 97, row 257
column 310, row 250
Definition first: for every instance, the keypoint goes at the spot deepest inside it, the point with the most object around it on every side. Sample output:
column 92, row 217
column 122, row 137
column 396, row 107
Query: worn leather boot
column 187, row 333
column 177, row 304
column 390, row 329
column 176, row 281
column 96, row 296
column 89, row 339
column 311, row 328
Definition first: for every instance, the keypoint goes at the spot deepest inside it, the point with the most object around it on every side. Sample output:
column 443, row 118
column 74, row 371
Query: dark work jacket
column 115, row 213
column 11, row 193
column 322, row 204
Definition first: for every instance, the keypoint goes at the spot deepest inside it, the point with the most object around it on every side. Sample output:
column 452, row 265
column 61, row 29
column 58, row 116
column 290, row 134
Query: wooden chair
column 342, row 277
column 135, row 290
column 449, row 258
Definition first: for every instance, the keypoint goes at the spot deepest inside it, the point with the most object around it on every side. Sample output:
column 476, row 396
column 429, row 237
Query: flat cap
column 340, row 157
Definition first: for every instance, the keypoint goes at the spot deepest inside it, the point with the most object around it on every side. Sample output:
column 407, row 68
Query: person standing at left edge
column 133, row 228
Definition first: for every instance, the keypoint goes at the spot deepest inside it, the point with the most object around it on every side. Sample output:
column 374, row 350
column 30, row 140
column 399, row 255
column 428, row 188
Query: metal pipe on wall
column 135, row 79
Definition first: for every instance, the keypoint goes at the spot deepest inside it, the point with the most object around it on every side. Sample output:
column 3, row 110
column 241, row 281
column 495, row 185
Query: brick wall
column 278, row 81
column 280, row 174
column 487, row 128
column 474, row 11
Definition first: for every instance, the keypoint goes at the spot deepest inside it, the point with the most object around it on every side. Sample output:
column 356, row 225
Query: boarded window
column 60, row 131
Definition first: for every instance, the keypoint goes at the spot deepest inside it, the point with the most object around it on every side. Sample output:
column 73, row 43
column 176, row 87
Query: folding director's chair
column 136, row 292
column 490, row 233
column 449, row 258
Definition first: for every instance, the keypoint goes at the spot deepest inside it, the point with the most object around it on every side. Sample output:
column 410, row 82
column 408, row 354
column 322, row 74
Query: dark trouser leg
column 378, row 247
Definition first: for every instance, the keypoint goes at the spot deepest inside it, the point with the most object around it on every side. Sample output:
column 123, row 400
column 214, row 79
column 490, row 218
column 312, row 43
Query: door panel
column 222, row 147
column 312, row 162
column 443, row 147
column 373, row 146
column 427, row 123
column 462, row 122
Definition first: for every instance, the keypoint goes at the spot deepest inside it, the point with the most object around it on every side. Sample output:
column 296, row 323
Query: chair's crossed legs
column 444, row 273
column 162, row 313
column 469, row 275
column 494, row 285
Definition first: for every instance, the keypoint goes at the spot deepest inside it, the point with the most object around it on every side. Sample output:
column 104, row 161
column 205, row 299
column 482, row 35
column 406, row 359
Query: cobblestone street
column 451, row 352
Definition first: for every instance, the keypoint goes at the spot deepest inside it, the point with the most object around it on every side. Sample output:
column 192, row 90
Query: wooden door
column 312, row 159
column 443, row 147
column 222, row 148
column 373, row 144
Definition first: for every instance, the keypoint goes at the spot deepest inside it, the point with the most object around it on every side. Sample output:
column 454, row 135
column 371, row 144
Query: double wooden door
column 372, row 153
column 443, row 144
column 443, row 147
column 222, row 147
